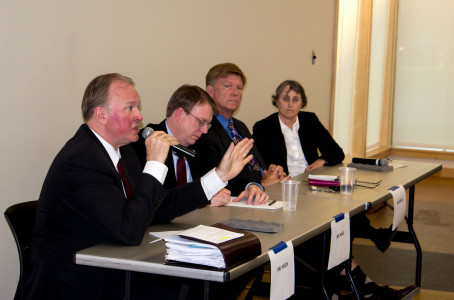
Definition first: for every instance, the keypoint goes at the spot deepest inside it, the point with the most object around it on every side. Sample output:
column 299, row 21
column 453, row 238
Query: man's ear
column 100, row 115
column 178, row 113
column 210, row 90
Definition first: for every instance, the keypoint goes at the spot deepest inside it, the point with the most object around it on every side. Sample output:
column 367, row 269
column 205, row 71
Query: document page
column 270, row 204
column 210, row 234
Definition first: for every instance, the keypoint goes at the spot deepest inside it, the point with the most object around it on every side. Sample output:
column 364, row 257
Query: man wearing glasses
column 188, row 116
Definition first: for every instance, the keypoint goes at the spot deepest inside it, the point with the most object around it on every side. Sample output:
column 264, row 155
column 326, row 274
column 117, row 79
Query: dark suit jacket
column 313, row 137
column 82, row 204
column 219, row 141
column 197, row 168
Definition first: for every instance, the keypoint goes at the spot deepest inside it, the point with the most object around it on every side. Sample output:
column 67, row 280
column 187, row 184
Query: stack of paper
column 198, row 246
column 185, row 250
column 218, row 246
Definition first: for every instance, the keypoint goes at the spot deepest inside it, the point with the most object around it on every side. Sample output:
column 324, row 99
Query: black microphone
column 370, row 161
column 147, row 131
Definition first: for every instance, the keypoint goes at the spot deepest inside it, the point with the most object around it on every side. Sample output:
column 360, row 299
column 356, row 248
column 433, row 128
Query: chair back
column 21, row 219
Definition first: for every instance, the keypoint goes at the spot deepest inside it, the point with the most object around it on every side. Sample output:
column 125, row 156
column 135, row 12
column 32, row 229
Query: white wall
column 50, row 50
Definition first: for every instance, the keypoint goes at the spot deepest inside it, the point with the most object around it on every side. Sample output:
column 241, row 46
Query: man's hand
column 255, row 193
column 316, row 164
column 273, row 174
column 235, row 159
column 158, row 145
column 221, row 198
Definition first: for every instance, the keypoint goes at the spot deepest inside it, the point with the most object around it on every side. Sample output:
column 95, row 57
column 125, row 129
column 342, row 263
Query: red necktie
column 123, row 179
column 181, row 171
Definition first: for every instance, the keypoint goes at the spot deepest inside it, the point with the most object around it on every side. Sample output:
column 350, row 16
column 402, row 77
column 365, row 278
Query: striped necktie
column 253, row 164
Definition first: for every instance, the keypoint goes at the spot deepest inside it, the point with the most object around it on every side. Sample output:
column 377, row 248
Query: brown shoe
column 385, row 292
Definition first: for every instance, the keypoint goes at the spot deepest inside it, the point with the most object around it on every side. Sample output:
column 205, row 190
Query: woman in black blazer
column 292, row 138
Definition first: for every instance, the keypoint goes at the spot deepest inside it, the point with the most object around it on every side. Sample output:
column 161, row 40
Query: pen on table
column 156, row 241
column 272, row 202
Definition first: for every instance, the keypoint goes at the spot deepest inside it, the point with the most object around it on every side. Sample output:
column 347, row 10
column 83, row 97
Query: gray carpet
column 397, row 267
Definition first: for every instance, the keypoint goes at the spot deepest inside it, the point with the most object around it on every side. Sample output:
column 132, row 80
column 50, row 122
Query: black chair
column 21, row 219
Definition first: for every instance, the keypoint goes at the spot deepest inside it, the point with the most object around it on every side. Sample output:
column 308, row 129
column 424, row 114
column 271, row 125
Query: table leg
column 206, row 290
column 324, row 264
column 411, row 206
column 348, row 266
column 127, row 285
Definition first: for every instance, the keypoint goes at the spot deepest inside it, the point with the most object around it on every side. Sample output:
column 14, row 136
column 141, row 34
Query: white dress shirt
column 155, row 168
column 296, row 161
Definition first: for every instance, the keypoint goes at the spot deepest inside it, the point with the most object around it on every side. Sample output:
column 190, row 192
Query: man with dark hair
column 188, row 116
column 96, row 191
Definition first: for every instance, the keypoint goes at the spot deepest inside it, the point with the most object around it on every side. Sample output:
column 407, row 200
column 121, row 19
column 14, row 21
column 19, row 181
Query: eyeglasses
column 367, row 184
column 287, row 99
column 201, row 123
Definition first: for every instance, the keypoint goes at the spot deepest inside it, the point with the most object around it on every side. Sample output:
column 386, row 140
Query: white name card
column 340, row 240
column 282, row 271
column 400, row 204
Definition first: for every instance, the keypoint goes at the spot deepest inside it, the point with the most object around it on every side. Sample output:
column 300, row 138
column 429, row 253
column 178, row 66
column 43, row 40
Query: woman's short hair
column 294, row 86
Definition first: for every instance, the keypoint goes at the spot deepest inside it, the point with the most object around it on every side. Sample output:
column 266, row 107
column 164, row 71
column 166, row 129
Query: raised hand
column 234, row 159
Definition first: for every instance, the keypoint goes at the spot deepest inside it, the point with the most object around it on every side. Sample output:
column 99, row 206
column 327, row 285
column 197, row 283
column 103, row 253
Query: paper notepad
column 210, row 234
column 270, row 204
column 323, row 180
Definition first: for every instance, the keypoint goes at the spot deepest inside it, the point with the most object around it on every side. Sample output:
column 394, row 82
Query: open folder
column 202, row 249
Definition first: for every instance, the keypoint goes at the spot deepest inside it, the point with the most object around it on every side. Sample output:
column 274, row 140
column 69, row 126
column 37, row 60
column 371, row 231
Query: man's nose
column 138, row 116
column 204, row 129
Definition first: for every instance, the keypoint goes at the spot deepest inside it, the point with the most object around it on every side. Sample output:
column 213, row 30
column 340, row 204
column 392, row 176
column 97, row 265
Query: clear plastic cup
column 290, row 194
column 346, row 180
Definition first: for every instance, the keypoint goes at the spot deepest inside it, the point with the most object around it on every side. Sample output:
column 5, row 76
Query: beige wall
column 50, row 50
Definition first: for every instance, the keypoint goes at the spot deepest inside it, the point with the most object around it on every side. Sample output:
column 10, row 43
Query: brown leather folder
column 238, row 250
